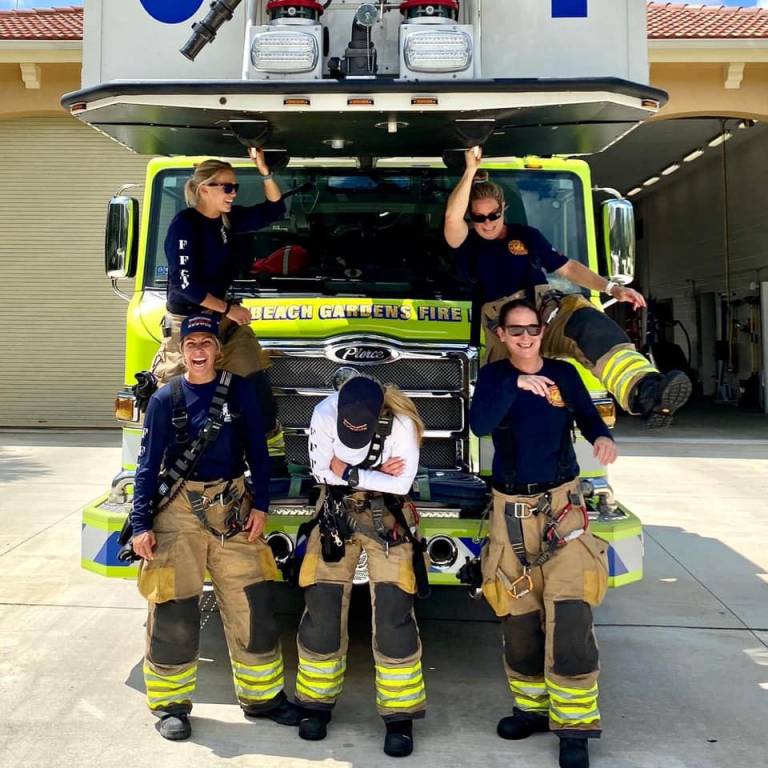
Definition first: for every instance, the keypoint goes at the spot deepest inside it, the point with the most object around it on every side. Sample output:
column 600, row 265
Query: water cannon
column 360, row 58
column 291, row 45
column 204, row 32
column 433, row 45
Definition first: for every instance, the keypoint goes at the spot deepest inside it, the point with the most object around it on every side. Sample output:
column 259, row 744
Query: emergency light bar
column 281, row 52
column 444, row 51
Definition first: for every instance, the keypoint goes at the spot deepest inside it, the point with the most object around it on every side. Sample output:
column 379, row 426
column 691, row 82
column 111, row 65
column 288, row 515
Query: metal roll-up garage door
column 61, row 327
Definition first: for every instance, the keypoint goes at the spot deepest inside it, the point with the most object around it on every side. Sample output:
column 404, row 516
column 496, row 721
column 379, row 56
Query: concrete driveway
column 684, row 653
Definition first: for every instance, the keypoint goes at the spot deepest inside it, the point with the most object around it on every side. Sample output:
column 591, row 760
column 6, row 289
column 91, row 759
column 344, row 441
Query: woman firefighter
column 542, row 570
column 193, row 513
column 202, row 264
column 364, row 449
column 509, row 261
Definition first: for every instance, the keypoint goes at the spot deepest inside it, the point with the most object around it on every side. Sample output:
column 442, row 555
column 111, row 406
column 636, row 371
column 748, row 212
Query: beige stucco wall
column 697, row 89
column 18, row 101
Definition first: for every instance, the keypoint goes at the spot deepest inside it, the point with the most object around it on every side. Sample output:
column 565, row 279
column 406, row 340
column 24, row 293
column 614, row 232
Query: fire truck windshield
column 369, row 233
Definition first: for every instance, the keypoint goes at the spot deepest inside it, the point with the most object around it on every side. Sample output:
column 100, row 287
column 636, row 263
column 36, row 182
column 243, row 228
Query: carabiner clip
column 522, row 586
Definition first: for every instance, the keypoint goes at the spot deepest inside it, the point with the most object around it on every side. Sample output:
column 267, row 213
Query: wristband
column 609, row 286
column 227, row 308
column 267, row 177
column 353, row 476
column 345, row 473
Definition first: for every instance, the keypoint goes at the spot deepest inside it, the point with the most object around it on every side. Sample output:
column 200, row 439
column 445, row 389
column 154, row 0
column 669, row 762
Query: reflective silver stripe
column 575, row 717
column 334, row 670
column 264, row 695
column 258, row 673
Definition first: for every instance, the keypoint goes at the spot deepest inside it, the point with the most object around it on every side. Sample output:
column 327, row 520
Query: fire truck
column 365, row 110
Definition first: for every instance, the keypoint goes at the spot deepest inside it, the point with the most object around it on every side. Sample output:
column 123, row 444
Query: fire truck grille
column 416, row 375
column 436, row 453
column 439, row 414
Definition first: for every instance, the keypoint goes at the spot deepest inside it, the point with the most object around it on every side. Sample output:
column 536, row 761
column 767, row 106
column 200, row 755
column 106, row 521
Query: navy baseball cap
column 202, row 323
column 360, row 403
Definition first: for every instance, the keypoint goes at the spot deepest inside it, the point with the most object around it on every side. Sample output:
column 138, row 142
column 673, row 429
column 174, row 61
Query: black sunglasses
column 226, row 186
column 519, row 330
column 479, row 218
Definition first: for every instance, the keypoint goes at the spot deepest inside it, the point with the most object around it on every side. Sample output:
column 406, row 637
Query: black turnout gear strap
column 396, row 633
column 382, row 432
column 175, row 635
column 264, row 629
column 514, row 514
column 524, row 643
column 320, row 627
column 329, row 519
column 231, row 497
column 574, row 647
column 179, row 417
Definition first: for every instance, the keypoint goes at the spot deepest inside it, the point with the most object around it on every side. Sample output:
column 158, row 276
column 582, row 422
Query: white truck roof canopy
column 535, row 76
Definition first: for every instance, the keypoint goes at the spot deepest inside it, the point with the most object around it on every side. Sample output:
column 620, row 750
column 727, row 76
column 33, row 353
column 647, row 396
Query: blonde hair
column 205, row 172
column 485, row 189
column 399, row 404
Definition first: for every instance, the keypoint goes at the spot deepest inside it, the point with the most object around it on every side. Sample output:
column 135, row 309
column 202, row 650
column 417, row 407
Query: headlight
column 284, row 51
column 444, row 51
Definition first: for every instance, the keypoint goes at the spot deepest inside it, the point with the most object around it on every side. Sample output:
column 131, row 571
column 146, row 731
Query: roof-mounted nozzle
column 204, row 31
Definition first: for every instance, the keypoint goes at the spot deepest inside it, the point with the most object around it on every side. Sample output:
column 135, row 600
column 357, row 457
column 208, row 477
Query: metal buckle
column 521, row 587
column 522, row 510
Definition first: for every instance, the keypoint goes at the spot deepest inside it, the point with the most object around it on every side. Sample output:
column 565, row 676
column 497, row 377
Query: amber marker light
column 296, row 102
column 424, row 101
column 359, row 102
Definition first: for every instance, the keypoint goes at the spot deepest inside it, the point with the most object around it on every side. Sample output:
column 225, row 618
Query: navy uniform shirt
column 241, row 439
column 529, row 431
column 200, row 256
column 516, row 262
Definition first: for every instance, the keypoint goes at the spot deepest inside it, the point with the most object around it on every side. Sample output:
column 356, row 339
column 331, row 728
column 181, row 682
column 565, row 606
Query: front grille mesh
column 436, row 453
column 440, row 413
column 416, row 375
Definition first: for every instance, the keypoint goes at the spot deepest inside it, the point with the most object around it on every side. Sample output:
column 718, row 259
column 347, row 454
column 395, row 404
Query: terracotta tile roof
column 42, row 24
column 666, row 21
column 696, row 21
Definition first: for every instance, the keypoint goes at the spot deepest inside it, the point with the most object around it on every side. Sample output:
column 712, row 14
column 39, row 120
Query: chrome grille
column 414, row 374
column 436, row 452
column 444, row 414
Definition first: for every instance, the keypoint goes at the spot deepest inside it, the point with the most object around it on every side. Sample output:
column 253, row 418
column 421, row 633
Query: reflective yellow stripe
column 402, row 702
column 324, row 668
column 586, row 718
column 400, row 687
column 314, row 693
column 257, row 671
column 570, row 692
column 617, row 364
column 527, row 688
column 150, row 674
column 320, row 680
column 162, row 690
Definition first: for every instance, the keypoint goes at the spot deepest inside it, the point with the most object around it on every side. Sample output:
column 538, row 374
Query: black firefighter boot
column 398, row 741
column 657, row 396
column 313, row 725
column 574, row 752
column 174, row 727
column 521, row 725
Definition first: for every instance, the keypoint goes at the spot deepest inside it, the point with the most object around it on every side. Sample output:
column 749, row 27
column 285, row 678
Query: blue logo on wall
column 573, row 9
column 171, row 11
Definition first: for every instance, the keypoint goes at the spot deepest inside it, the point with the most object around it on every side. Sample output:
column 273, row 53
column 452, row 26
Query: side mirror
column 619, row 240
column 122, row 237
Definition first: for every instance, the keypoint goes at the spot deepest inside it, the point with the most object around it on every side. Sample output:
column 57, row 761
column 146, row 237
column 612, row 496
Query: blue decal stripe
column 573, row 9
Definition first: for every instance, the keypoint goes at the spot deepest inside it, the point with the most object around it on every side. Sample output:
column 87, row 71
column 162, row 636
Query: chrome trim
column 117, row 491
column 285, row 541
column 447, row 559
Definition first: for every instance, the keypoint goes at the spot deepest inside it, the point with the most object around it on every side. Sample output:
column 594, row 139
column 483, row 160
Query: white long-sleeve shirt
column 324, row 444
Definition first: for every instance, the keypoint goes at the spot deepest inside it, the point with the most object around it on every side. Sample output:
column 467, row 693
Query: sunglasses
column 479, row 218
column 519, row 330
column 226, row 186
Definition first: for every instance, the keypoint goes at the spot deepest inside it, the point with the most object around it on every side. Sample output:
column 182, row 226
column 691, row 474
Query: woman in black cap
column 193, row 512
column 364, row 449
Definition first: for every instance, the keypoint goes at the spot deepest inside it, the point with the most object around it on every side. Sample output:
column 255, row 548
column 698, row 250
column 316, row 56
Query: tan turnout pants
column 550, row 651
column 242, row 574
column 241, row 351
column 322, row 638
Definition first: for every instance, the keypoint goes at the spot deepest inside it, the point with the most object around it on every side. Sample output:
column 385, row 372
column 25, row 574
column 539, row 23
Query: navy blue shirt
column 242, row 437
column 529, row 431
column 200, row 256
column 516, row 262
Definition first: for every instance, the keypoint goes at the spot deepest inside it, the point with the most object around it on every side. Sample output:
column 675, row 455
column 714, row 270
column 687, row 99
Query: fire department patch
column 555, row 397
column 517, row 248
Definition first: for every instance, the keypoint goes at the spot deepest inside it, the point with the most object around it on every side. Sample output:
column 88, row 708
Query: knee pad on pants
column 574, row 646
column 396, row 633
column 264, row 630
column 594, row 332
column 175, row 632
column 320, row 627
column 524, row 643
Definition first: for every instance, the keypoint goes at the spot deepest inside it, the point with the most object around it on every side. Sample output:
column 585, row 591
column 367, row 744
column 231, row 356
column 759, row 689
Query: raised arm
column 577, row 273
column 455, row 228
